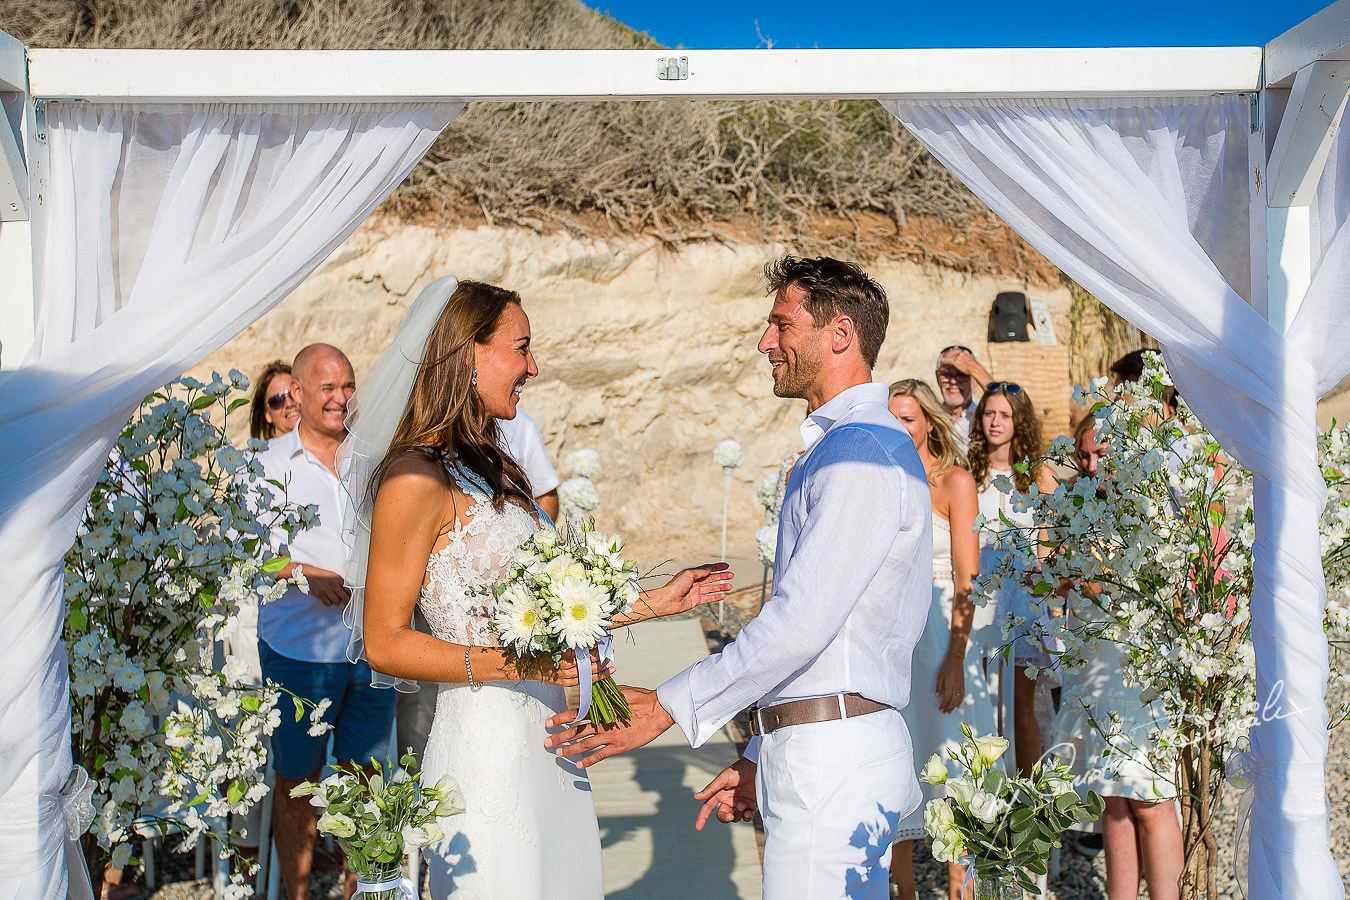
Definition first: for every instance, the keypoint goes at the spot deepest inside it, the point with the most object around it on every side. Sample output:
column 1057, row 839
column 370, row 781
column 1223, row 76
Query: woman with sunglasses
column 949, row 687
column 272, row 410
column 1007, row 432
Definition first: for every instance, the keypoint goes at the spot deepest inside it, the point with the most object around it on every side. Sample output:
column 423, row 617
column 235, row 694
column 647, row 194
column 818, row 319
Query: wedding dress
column 529, row 828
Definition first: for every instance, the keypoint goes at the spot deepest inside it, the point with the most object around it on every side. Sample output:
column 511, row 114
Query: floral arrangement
column 377, row 821
column 767, row 494
column 766, row 544
column 170, row 544
column 585, row 463
column 729, row 455
column 1154, row 558
column 577, row 497
column 1001, row 826
column 770, row 495
column 561, row 594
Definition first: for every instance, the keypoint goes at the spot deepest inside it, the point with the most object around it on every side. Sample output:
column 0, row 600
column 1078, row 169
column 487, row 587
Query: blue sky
column 720, row 24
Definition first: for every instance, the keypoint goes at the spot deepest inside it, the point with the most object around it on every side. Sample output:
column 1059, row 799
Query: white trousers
column 832, row 794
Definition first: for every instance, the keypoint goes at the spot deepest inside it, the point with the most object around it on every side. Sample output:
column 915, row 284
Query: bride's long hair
column 444, row 412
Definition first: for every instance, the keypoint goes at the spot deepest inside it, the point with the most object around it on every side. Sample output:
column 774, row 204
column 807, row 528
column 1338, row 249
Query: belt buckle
column 756, row 728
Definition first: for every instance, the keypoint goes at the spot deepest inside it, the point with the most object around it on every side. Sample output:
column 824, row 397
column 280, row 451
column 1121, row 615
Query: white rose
column 337, row 825
column 949, row 847
column 989, row 747
column 938, row 816
column 934, row 771
column 987, row 807
column 961, row 790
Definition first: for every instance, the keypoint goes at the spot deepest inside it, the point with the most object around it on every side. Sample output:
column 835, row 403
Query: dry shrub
column 790, row 170
column 1098, row 337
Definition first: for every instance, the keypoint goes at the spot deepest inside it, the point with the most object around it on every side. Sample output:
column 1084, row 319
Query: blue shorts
column 362, row 715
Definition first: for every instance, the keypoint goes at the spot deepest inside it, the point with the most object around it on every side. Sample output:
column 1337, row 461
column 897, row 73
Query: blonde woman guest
column 1007, row 432
column 273, row 411
column 949, row 685
column 1140, row 832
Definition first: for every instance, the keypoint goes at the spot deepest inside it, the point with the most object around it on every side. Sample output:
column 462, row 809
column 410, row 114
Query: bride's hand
column 568, row 675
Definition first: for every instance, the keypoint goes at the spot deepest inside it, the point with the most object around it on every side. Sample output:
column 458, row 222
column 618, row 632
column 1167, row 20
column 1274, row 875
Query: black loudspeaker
column 1008, row 317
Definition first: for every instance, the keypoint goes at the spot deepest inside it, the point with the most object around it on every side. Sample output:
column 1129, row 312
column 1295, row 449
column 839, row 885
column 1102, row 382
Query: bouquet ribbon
column 967, row 861
column 402, row 884
column 583, row 654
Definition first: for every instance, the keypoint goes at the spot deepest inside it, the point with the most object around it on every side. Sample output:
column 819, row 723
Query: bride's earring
column 473, row 379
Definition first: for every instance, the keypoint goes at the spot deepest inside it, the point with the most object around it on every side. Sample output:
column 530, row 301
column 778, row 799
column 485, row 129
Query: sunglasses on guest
column 945, row 350
column 1006, row 387
column 277, row 401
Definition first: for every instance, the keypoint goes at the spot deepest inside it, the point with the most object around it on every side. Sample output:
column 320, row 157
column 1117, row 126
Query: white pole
column 726, row 489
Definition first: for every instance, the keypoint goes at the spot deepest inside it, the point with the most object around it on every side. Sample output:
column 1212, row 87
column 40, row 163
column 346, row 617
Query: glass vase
column 381, row 873
column 997, row 887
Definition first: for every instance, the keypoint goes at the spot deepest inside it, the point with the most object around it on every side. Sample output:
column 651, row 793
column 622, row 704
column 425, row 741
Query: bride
column 440, row 510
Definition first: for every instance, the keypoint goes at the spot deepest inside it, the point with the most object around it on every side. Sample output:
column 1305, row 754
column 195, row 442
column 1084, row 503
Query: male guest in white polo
column 827, row 660
column 302, row 639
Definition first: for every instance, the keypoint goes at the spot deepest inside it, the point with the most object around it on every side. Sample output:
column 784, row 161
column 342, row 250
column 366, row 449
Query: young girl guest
column 949, row 686
column 1007, row 432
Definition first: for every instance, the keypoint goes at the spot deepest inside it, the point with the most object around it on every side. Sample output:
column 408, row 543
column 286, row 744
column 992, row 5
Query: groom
column 825, row 666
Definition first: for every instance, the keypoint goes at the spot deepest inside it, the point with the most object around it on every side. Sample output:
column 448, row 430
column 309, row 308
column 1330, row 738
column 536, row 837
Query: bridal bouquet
column 1003, row 827
column 562, row 593
column 377, row 821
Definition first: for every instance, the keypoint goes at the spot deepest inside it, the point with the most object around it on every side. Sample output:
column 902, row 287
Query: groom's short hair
column 834, row 287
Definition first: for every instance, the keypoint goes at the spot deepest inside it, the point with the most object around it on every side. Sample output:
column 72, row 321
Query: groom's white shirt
column 852, row 577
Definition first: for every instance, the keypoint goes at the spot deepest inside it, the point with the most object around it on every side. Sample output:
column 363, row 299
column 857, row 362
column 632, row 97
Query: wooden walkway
column 645, row 798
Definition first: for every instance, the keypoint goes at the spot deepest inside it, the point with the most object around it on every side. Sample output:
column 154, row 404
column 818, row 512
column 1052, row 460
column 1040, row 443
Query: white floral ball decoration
column 766, row 544
column 586, row 463
column 729, row 455
column 577, row 497
column 767, row 492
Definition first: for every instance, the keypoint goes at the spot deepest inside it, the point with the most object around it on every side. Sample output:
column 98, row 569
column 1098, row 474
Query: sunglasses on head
column 1006, row 387
column 277, row 401
column 945, row 350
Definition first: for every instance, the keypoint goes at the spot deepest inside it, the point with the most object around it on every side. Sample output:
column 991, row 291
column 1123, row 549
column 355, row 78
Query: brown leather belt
column 766, row 719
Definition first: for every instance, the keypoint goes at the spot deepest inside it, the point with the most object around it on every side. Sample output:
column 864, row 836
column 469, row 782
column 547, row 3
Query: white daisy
column 520, row 618
column 582, row 621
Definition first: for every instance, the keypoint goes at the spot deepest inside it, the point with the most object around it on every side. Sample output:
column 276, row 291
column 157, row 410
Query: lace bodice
column 478, row 553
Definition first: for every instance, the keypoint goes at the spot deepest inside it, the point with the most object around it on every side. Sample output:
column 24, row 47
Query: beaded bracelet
column 468, row 667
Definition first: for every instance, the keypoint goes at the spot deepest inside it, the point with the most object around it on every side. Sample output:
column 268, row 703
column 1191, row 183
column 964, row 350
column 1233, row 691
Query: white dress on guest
column 1124, row 772
column 932, row 730
column 1011, row 598
column 529, row 828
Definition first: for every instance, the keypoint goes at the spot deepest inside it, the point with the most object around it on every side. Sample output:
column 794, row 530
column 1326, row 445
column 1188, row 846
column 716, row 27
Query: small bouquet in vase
column 562, row 593
column 378, row 820
column 1002, row 827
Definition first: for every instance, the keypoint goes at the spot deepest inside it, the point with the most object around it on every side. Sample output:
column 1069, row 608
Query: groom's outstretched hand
column 731, row 794
column 648, row 721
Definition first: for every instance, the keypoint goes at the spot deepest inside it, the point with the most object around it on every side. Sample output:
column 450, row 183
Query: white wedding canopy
column 160, row 201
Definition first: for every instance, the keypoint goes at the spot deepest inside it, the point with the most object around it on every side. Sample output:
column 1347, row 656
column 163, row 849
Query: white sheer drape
column 169, row 230
column 1145, row 203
